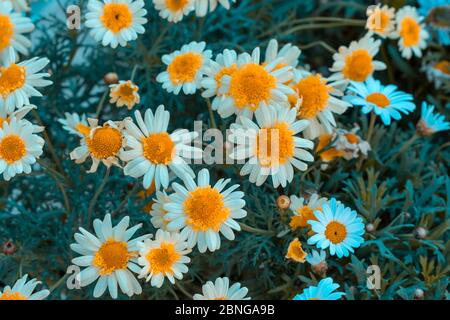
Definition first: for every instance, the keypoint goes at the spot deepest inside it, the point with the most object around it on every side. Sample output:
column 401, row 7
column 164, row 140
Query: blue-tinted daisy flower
column 338, row 228
column 437, row 13
column 323, row 291
column 316, row 258
column 431, row 122
column 385, row 101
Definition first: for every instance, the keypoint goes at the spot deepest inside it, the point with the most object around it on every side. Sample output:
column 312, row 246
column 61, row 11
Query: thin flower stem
column 256, row 230
column 402, row 150
column 211, row 114
column 58, row 283
column 319, row 26
column 318, row 43
column 183, row 290
column 97, row 193
column 133, row 73
column 101, row 104
column 373, row 117
column 125, row 200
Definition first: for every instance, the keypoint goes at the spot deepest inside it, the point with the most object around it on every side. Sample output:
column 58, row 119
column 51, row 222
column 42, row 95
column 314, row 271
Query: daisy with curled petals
column 323, row 291
column 185, row 68
column 316, row 100
column 13, row 25
column 159, row 215
column 75, row 124
column 350, row 144
column 109, row 256
column 116, row 22
column 356, row 62
column 289, row 53
column 254, row 86
column 411, row 32
column 174, row 10
column 18, row 81
column 23, row 290
column 165, row 256
column 304, row 210
column 221, row 290
column 381, row 20
column 431, row 122
column 338, row 228
column 20, row 146
column 272, row 145
column 438, row 72
column 387, row 102
column 201, row 6
column 151, row 151
column 125, row 93
column 201, row 211
column 101, row 143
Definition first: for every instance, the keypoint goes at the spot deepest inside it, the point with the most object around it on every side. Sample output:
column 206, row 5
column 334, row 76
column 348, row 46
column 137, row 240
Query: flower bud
column 9, row 247
column 421, row 232
column 283, row 202
column 111, row 78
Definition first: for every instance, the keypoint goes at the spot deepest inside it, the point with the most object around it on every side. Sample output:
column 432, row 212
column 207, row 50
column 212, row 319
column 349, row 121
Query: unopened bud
column 370, row 227
column 283, row 202
column 419, row 294
column 421, row 233
column 111, row 78
column 9, row 247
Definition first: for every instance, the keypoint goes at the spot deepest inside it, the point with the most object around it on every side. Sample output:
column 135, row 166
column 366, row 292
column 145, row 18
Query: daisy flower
column 304, row 210
column 159, row 219
column 316, row 100
column 23, row 290
column 174, row 10
column 201, row 211
column 13, row 25
column 381, row 20
column 101, row 143
column 75, row 124
column 289, row 53
column 387, row 102
column 323, row 291
column 431, row 122
column 356, row 62
column 326, row 149
column 221, row 290
column 124, row 93
column 185, row 68
column 295, row 251
column 201, row 6
column 165, row 256
column 411, row 32
column 253, row 86
column 19, row 114
column 20, row 146
column 116, row 22
column 18, row 81
column 351, row 144
column 436, row 13
column 438, row 72
column 18, row 5
column 316, row 258
column 338, row 228
column 272, row 145
column 151, row 151
column 109, row 256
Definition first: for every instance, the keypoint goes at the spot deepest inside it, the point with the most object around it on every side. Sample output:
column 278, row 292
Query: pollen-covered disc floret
column 116, row 22
column 23, row 290
column 125, row 93
column 163, row 257
column 174, row 10
column 75, row 124
column 221, row 290
column 109, row 256
column 411, row 32
column 185, row 68
column 323, row 291
column 338, row 228
column 381, row 20
column 202, row 6
column 272, row 145
column 202, row 210
column 303, row 210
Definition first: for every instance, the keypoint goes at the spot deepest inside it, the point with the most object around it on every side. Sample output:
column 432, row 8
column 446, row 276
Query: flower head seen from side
column 381, row 20
column 325, row 290
column 201, row 6
column 351, row 144
column 125, row 93
column 159, row 215
column 272, row 145
column 18, row 114
column 438, row 72
column 23, row 290
column 150, row 151
column 338, row 228
column 288, row 53
column 185, row 68
column 13, row 26
column 221, row 290
column 202, row 210
column 109, row 256
column 165, row 256
column 387, row 102
column 174, row 10
column 75, row 124
column 116, row 22
column 431, row 122
column 304, row 210
column 316, row 258
column 316, row 100
column 18, row 80
column 411, row 32
column 437, row 13
column 103, row 143
column 356, row 62
column 20, row 146
column 295, row 251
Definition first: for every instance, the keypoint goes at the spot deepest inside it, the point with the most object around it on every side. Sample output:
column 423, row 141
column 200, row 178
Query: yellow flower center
column 329, row 154
column 205, row 209
column 443, row 66
column 251, row 85
column 352, row 138
column 335, row 232
column 7, row 28
column 410, row 32
column 127, row 90
column 184, row 67
column 176, row 5
column 159, row 148
column 116, row 16
column 8, row 295
column 106, row 142
column 314, row 92
column 225, row 71
column 163, row 258
column 379, row 21
column 358, row 65
column 379, row 99
column 83, row 129
column 11, row 79
column 112, row 256
column 12, row 148
column 275, row 145
column 295, row 251
column 300, row 220
column 221, row 298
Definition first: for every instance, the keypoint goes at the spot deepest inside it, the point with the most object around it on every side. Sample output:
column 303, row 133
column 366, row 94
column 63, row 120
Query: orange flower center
column 335, row 232
column 7, row 28
column 12, row 148
column 176, row 5
column 352, row 138
column 358, row 65
column 116, row 17
column 410, row 32
column 314, row 93
column 329, row 154
column 163, row 258
column 185, row 67
column 159, row 148
column 11, row 79
column 275, row 145
column 443, row 66
column 106, row 142
column 112, row 256
column 300, row 220
column 8, row 295
column 378, row 99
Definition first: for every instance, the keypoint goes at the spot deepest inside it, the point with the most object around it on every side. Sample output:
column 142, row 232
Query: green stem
column 125, row 200
column 262, row 232
column 211, row 114
column 101, row 104
column 97, row 194
column 373, row 117
column 405, row 147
